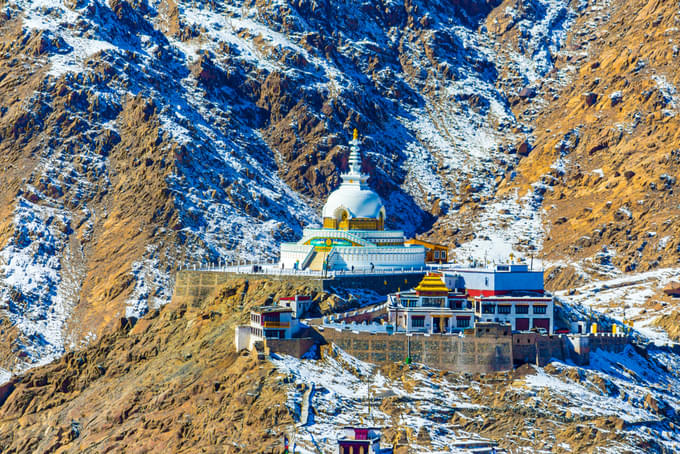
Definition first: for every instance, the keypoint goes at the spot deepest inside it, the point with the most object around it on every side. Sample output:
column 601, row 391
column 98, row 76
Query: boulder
column 524, row 149
column 590, row 98
column 527, row 92
column 672, row 289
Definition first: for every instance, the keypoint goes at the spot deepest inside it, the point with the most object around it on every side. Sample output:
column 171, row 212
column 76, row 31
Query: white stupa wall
column 292, row 253
column 343, row 258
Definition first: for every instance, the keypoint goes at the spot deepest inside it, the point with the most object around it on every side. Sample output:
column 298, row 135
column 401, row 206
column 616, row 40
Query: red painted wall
column 522, row 324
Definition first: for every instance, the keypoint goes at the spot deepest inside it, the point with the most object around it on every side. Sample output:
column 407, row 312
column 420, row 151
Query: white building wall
column 343, row 258
column 513, row 316
column 470, row 280
column 529, row 280
column 490, row 279
column 292, row 253
column 242, row 338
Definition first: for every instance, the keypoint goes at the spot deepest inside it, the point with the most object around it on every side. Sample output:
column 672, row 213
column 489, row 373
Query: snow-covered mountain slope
column 139, row 136
column 173, row 382
column 622, row 402
column 637, row 298
column 605, row 145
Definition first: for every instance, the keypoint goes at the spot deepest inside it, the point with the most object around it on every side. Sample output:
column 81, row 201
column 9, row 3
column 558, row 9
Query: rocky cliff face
column 605, row 147
column 137, row 136
column 172, row 382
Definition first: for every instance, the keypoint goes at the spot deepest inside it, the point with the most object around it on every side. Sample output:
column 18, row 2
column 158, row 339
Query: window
column 274, row 317
column 523, row 309
column 488, row 308
column 540, row 309
column 443, row 254
column 433, row 302
column 504, row 309
column 418, row 321
column 463, row 322
column 436, row 254
column 361, row 434
column 410, row 303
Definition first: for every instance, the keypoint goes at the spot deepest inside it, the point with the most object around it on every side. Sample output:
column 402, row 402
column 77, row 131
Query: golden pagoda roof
column 432, row 283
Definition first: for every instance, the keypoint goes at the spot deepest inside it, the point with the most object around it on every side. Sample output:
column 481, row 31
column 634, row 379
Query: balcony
column 276, row 324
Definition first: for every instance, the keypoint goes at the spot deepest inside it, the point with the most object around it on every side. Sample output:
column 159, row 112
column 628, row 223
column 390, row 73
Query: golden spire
column 356, row 134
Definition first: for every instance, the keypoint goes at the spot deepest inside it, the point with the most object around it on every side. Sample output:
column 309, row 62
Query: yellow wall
column 353, row 224
column 430, row 249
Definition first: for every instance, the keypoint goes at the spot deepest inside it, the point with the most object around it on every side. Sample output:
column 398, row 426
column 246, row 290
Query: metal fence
column 270, row 268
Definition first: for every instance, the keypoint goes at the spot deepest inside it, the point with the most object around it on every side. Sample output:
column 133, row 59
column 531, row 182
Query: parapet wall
column 461, row 354
column 362, row 315
column 608, row 342
column 193, row 286
column 534, row 348
column 471, row 354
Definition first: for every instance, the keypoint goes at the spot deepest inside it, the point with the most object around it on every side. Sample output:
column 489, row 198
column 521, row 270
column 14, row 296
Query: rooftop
column 432, row 283
column 268, row 309
column 488, row 268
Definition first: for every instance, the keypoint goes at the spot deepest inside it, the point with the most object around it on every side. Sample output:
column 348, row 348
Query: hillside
column 605, row 146
column 173, row 383
column 140, row 136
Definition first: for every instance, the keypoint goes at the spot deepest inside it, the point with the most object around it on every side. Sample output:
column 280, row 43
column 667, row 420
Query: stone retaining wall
column 461, row 354
column 382, row 284
column 534, row 348
column 481, row 353
column 193, row 286
column 294, row 347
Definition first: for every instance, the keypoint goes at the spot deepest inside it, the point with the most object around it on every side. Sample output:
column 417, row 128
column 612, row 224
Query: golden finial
column 356, row 134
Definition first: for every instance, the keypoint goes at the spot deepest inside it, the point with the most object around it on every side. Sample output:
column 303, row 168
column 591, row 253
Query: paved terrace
column 271, row 269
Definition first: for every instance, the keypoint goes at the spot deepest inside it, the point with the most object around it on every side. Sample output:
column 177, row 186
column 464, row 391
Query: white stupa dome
column 354, row 195
column 357, row 201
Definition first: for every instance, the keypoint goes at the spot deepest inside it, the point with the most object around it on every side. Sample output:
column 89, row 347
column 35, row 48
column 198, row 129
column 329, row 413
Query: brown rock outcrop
column 171, row 382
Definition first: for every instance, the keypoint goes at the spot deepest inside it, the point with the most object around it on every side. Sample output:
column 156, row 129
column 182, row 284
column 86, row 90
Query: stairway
column 316, row 263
